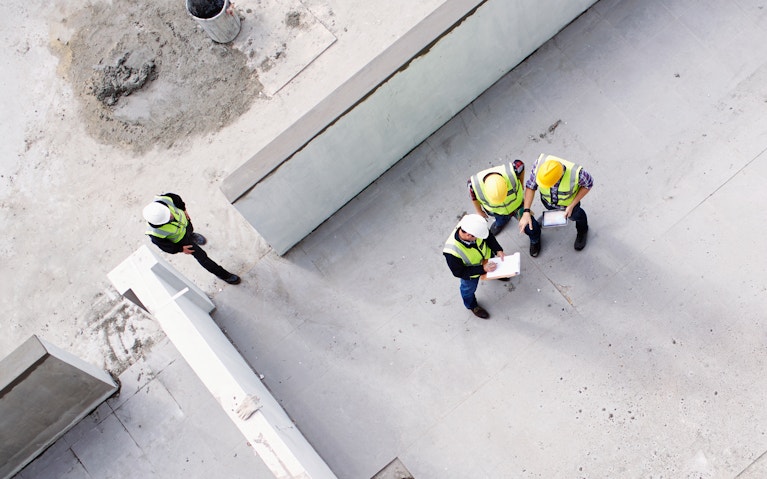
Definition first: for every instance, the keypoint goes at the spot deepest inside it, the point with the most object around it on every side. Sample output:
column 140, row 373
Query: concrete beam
column 182, row 310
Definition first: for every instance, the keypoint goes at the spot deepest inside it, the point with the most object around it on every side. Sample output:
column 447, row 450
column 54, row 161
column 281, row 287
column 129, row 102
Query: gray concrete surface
column 163, row 423
column 44, row 392
column 640, row 357
column 386, row 110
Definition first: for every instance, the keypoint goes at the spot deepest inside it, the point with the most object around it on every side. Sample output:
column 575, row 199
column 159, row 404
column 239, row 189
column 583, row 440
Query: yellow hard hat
column 549, row 173
column 495, row 188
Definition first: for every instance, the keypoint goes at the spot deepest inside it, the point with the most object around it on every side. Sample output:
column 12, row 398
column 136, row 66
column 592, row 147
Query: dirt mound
column 146, row 74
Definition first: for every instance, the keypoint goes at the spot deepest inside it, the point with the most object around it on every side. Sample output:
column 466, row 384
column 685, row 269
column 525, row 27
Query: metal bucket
column 221, row 25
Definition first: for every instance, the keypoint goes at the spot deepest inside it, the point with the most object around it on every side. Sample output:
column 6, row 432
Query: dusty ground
column 75, row 170
column 143, row 75
column 113, row 102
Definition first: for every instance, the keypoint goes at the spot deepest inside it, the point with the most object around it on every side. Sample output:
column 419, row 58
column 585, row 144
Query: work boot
column 198, row 239
column 580, row 240
column 495, row 229
column 480, row 312
column 233, row 279
column 535, row 248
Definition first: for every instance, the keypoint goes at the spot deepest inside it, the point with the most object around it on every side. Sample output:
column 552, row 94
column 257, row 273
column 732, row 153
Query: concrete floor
column 640, row 357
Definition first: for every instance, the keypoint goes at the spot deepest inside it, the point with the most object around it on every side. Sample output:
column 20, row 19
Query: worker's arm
column 479, row 209
column 527, row 216
column 166, row 245
column 459, row 269
column 475, row 201
column 578, row 196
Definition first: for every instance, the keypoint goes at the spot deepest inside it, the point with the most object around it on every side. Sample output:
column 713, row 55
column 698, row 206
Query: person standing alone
column 170, row 229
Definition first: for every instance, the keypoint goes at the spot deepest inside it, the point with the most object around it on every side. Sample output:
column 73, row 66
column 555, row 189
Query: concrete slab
column 624, row 360
column 629, row 346
column 280, row 39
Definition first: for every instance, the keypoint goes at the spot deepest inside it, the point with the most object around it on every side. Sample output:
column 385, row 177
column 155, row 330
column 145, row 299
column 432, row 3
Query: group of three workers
column 503, row 192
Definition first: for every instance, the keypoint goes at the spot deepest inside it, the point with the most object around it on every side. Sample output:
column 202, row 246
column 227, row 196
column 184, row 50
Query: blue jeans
column 468, row 287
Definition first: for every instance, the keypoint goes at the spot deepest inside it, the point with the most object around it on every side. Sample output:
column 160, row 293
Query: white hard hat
column 156, row 213
column 474, row 225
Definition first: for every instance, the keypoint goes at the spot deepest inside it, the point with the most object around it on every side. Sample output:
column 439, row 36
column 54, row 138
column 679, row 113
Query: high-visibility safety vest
column 568, row 184
column 514, row 195
column 470, row 255
column 174, row 230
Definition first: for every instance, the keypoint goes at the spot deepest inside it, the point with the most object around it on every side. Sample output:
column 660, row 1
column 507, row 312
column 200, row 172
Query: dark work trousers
column 202, row 257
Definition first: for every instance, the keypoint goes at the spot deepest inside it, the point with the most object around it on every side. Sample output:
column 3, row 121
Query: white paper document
column 507, row 268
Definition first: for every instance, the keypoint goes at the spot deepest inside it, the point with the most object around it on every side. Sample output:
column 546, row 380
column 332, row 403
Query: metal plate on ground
column 280, row 39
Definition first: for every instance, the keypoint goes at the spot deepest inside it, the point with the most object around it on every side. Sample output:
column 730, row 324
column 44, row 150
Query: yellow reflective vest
column 470, row 255
column 173, row 231
column 568, row 184
column 514, row 195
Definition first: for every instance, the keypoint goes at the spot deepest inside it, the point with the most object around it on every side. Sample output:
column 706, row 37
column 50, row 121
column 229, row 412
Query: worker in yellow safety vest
column 562, row 185
column 171, row 230
column 498, row 192
column 467, row 251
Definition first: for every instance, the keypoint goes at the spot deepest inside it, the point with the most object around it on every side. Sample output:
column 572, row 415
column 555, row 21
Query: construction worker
column 170, row 228
column 562, row 185
column 498, row 192
column 467, row 250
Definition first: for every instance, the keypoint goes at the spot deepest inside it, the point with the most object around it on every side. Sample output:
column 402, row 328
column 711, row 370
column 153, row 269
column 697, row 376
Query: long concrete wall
column 44, row 392
column 182, row 309
column 337, row 149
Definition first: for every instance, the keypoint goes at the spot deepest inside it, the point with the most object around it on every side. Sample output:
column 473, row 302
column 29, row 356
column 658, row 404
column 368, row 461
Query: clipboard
column 510, row 266
column 553, row 218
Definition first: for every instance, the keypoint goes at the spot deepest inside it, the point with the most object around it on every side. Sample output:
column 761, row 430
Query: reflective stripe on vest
column 514, row 198
column 568, row 184
column 173, row 231
column 471, row 256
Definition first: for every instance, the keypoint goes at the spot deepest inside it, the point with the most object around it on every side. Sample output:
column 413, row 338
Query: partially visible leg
column 468, row 288
column 534, row 234
column 202, row 257
column 499, row 224
column 581, row 226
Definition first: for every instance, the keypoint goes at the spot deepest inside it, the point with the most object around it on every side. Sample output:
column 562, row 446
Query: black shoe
column 198, row 239
column 535, row 248
column 580, row 240
column 504, row 279
column 480, row 312
column 495, row 229
column 233, row 279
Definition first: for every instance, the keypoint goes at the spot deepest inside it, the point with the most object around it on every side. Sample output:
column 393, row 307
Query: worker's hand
column 569, row 210
column 479, row 209
column 188, row 249
column 489, row 266
column 525, row 220
column 500, row 255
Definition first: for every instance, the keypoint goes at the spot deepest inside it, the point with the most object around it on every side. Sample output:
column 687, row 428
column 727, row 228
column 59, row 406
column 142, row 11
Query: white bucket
column 222, row 27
